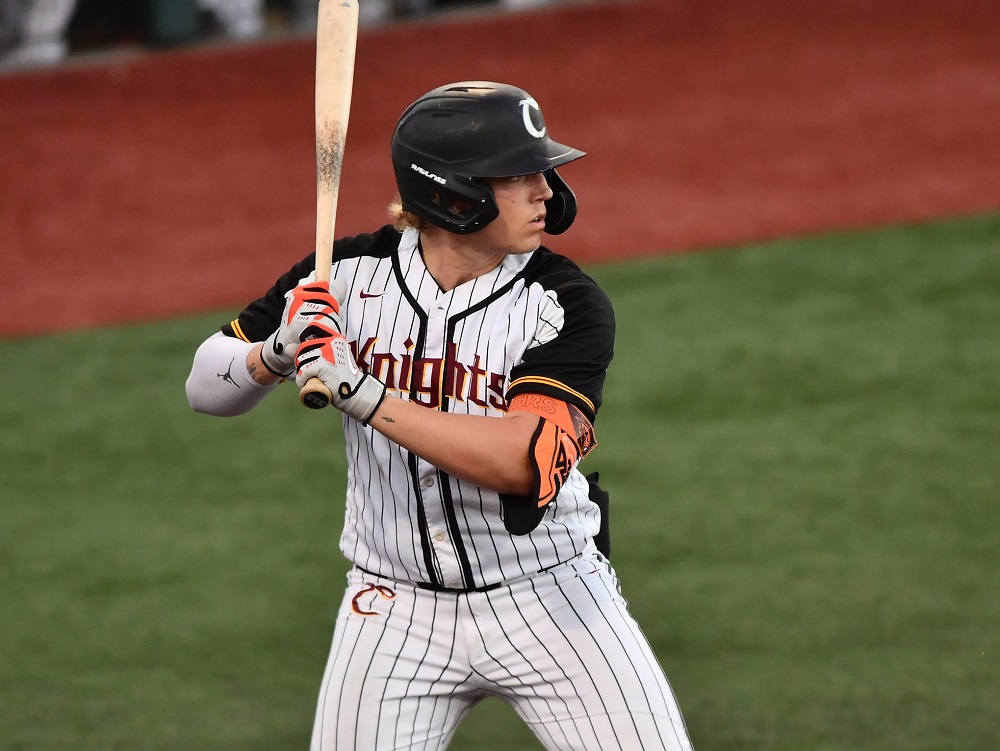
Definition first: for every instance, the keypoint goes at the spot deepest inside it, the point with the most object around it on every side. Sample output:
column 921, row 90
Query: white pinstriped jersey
column 535, row 324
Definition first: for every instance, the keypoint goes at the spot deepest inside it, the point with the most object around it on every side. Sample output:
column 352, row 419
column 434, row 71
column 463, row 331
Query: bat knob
column 315, row 394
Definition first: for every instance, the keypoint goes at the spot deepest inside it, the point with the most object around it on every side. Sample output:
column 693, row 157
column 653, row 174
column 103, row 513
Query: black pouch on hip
column 600, row 496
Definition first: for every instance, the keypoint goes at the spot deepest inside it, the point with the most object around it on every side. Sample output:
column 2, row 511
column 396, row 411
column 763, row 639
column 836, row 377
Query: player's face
column 521, row 200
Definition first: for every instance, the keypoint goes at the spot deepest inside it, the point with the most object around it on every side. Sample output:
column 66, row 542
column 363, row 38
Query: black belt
column 442, row 588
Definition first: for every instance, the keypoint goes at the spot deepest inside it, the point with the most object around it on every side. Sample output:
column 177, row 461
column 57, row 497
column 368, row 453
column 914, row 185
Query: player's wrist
column 364, row 401
column 274, row 360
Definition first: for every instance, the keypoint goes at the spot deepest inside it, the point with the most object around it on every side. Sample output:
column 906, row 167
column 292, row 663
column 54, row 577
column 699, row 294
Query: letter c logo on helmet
column 526, row 106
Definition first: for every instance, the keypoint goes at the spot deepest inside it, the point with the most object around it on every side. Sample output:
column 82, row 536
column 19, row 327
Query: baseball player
column 468, row 362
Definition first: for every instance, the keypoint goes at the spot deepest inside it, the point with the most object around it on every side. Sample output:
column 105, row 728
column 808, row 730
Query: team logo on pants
column 384, row 592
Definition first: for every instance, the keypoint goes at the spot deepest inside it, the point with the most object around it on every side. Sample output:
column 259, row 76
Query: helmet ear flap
column 560, row 210
column 467, row 208
column 463, row 206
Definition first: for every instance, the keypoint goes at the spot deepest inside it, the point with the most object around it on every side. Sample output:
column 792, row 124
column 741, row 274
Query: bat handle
column 315, row 394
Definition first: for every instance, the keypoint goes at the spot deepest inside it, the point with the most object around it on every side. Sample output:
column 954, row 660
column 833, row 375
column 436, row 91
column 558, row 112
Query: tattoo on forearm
column 256, row 375
column 387, row 419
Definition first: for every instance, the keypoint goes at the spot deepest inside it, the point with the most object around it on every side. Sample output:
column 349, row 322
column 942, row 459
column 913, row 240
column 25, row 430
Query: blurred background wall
column 44, row 32
column 706, row 122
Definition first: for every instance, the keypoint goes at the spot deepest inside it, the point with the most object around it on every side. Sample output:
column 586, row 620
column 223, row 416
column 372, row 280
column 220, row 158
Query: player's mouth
column 540, row 219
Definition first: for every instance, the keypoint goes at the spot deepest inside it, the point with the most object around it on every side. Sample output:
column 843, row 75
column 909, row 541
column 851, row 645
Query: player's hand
column 329, row 359
column 306, row 306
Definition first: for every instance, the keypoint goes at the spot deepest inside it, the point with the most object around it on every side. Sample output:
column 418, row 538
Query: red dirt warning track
column 170, row 183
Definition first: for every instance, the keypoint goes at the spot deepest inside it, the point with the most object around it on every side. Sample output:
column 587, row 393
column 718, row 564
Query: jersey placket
column 431, row 479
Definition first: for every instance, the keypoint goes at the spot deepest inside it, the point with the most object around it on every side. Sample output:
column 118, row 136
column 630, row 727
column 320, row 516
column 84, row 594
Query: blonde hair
column 403, row 219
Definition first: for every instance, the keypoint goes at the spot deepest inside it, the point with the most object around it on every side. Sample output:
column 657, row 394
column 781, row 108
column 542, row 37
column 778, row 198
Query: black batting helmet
column 453, row 137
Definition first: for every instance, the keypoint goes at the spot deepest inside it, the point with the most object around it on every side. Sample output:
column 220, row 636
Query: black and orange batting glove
column 563, row 437
column 306, row 306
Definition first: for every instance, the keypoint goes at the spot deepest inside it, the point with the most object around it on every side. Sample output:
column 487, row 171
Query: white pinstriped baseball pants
column 407, row 664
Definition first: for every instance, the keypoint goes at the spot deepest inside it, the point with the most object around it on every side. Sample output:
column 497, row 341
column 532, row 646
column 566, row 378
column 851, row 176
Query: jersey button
column 429, row 482
column 439, row 535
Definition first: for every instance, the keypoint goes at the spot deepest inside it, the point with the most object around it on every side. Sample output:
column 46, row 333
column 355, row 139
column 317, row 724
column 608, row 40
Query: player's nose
column 540, row 186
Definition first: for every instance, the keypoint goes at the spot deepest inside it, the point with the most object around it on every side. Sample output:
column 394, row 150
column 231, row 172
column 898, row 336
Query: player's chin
column 533, row 238
column 528, row 246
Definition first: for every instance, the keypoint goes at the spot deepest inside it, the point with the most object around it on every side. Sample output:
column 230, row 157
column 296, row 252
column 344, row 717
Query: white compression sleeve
column 219, row 383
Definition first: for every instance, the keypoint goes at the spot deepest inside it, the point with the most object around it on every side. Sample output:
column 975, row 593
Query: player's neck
column 453, row 261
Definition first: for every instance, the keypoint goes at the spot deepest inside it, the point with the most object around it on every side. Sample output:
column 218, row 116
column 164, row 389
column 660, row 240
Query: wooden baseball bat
column 336, row 41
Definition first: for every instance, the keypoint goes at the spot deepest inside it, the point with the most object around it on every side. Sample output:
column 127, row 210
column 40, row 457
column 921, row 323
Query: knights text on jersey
column 535, row 324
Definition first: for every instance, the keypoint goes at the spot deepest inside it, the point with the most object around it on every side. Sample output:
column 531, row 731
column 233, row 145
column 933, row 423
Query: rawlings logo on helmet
column 526, row 106
column 425, row 173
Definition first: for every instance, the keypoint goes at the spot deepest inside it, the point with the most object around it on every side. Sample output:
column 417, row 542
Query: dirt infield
column 157, row 184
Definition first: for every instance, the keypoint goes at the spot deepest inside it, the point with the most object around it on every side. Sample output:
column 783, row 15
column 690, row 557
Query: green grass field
column 802, row 441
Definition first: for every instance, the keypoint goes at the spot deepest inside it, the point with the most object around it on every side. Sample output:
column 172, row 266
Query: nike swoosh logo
column 365, row 295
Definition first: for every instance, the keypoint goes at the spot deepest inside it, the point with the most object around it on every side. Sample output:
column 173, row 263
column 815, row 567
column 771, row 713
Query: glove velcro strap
column 364, row 401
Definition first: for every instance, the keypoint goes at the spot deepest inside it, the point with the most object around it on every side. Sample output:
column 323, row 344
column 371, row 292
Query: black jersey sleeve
column 572, row 360
column 261, row 318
